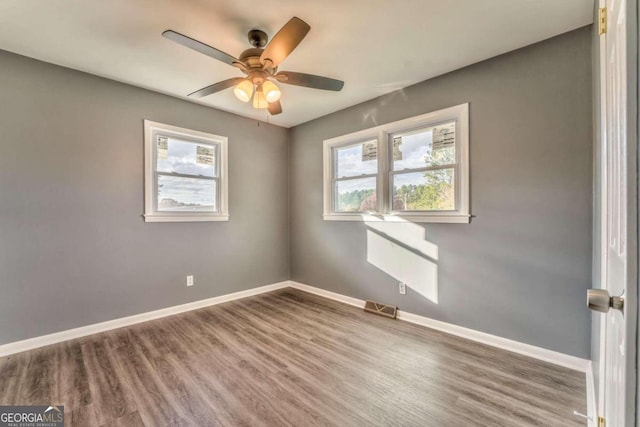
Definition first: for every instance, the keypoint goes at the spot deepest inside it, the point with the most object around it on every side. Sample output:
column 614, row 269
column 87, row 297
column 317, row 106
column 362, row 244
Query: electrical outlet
column 189, row 280
column 402, row 288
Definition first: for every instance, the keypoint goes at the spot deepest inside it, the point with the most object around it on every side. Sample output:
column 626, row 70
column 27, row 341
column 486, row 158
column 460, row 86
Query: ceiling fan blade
column 309, row 80
column 275, row 108
column 216, row 87
column 199, row 47
column 285, row 41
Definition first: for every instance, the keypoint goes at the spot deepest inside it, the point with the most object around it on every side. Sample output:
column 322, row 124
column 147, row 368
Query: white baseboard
column 31, row 343
column 327, row 294
column 561, row 359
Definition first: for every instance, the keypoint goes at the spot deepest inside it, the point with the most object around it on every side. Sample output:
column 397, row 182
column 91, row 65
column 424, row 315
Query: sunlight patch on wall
column 409, row 234
column 417, row 271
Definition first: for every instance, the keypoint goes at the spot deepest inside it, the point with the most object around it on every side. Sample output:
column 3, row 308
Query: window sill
column 454, row 219
column 180, row 218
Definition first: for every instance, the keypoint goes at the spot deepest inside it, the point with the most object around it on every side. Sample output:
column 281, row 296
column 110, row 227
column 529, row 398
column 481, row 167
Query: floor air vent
column 381, row 309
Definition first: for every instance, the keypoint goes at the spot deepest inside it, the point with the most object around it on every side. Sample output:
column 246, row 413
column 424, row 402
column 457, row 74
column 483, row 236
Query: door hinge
column 602, row 422
column 602, row 22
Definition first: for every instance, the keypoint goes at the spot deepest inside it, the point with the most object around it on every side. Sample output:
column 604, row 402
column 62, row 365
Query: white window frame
column 150, row 183
column 458, row 113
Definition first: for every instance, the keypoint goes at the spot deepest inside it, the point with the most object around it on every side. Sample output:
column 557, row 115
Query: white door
column 615, row 196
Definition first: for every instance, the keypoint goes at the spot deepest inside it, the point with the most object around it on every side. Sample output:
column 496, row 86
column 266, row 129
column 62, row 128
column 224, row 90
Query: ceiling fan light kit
column 244, row 90
column 271, row 91
column 259, row 100
column 260, row 65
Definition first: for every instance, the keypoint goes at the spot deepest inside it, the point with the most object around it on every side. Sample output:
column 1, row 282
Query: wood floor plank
column 38, row 384
column 112, row 398
column 152, row 400
column 72, row 377
column 289, row 358
column 131, row 419
column 82, row 416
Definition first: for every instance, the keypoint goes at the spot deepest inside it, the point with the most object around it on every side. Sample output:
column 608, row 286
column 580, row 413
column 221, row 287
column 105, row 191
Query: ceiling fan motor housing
column 255, row 68
column 251, row 57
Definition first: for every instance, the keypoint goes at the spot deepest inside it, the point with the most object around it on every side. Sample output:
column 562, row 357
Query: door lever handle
column 600, row 300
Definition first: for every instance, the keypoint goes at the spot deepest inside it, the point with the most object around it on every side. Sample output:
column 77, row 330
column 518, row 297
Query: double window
column 414, row 169
column 185, row 174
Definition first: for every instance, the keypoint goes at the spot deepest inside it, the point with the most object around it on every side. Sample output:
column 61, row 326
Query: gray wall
column 520, row 270
column 74, row 249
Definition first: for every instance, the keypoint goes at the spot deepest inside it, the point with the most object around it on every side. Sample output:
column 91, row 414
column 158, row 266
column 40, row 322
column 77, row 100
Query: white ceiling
column 375, row 46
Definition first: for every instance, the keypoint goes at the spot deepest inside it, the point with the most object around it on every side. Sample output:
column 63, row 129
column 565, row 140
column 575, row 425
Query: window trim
column 150, row 182
column 382, row 133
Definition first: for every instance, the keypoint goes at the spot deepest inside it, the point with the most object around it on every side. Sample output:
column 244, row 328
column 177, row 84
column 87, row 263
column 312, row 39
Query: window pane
column 433, row 146
column 356, row 195
column 179, row 194
column 355, row 160
column 424, row 191
column 185, row 157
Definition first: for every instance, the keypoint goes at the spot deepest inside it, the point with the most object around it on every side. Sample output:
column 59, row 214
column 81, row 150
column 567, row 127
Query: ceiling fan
column 260, row 65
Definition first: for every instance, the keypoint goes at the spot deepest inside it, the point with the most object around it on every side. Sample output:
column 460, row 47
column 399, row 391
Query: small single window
column 185, row 175
column 415, row 169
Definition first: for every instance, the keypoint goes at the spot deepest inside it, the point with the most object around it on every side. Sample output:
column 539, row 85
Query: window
column 355, row 175
column 415, row 169
column 185, row 175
